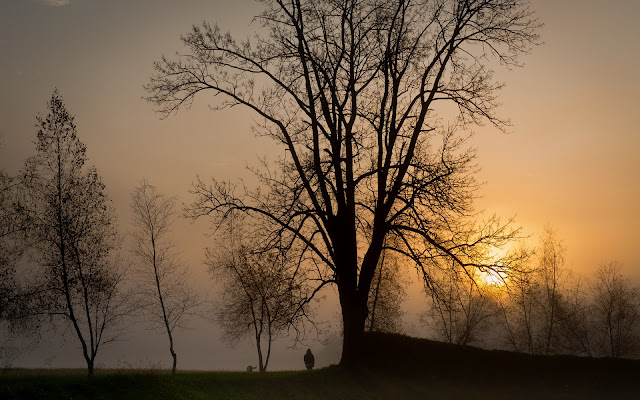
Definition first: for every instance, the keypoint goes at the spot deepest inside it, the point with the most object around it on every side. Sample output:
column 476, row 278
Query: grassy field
column 406, row 369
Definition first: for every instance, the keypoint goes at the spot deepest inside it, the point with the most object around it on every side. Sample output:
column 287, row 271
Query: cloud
column 56, row 3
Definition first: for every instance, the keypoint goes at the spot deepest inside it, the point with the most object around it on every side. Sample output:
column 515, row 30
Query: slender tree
column 616, row 306
column 74, row 237
column 521, row 311
column 262, row 291
column 165, row 294
column 8, row 249
column 551, row 257
column 14, row 224
column 358, row 93
column 532, row 297
column 576, row 320
column 461, row 308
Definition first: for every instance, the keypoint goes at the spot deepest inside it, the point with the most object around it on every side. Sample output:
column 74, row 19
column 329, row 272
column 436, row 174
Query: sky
column 570, row 158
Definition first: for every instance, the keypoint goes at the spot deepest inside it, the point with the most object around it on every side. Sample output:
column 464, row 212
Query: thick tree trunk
column 354, row 315
column 353, row 289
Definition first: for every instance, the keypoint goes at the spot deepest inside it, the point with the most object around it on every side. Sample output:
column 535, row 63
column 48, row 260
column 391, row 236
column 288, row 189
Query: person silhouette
column 309, row 359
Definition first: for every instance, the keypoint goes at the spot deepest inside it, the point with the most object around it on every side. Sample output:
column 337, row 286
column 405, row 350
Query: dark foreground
column 401, row 368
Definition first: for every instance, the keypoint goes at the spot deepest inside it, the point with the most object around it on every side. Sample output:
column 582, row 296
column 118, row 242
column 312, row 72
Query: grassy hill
column 393, row 367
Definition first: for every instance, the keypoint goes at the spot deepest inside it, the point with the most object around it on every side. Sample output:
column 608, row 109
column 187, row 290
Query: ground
column 394, row 367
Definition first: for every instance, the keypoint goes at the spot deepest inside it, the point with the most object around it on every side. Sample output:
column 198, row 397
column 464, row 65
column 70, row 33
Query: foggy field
column 452, row 372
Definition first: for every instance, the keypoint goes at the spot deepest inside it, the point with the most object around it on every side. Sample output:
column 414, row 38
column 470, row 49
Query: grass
column 401, row 368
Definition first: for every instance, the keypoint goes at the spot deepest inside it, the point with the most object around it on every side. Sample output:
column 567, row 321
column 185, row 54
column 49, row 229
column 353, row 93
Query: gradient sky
column 571, row 158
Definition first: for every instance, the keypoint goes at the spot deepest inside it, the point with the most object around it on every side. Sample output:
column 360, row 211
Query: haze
column 570, row 159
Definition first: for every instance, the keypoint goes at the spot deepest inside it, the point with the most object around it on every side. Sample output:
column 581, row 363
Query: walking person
column 309, row 359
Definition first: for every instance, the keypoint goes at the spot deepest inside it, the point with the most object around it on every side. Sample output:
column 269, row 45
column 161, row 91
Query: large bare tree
column 365, row 96
column 73, row 236
column 166, row 295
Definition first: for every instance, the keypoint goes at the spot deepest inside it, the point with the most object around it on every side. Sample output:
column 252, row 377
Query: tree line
column 64, row 266
column 540, row 307
column 56, row 214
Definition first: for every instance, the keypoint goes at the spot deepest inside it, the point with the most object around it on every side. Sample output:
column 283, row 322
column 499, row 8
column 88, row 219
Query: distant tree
column 388, row 292
column 13, row 242
column 551, row 256
column 7, row 248
column 262, row 291
column 532, row 298
column 576, row 322
column 73, row 236
column 616, row 308
column 12, row 245
column 521, row 310
column 358, row 93
column 461, row 308
column 164, row 291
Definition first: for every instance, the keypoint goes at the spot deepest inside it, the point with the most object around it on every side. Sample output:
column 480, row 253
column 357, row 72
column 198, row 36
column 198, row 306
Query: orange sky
column 570, row 160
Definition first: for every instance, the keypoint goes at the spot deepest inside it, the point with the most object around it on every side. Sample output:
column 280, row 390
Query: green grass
column 330, row 383
column 400, row 368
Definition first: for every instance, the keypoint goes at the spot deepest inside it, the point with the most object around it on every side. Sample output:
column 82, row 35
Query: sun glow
column 493, row 278
column 495, row 274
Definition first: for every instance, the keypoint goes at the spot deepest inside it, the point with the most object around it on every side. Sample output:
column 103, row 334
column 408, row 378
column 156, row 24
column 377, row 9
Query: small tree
column 263, row 294
column 521, row 311
column 616, row 306
column 461, row 309
column 165, row 294
column 74, row 237
column 532, row 297
column 8, row 250
column 11, row 247
column 14, row 224
column 576, row 320
column 551, row 256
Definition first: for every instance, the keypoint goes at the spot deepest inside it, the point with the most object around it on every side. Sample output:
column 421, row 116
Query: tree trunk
column 175, row 360
column 260, row 361
column 354, row 315
column 90, row 368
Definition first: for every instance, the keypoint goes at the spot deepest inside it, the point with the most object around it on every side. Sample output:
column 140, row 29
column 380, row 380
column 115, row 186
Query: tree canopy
column 368, row 98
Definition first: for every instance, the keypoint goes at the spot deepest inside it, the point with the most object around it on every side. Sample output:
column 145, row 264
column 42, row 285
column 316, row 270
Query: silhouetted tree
column 262, row 291
column 576, row 320
column 461, row 308
column 73, row 236
column 616, row 308
column 551, row 255
column 532, row 298
column 7, row 247
column 521, row 310
column 13, row 242
column 356, row 91
column 165, row 294
column 12, row 245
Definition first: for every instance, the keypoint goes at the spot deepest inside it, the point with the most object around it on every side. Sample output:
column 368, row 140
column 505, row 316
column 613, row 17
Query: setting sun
column 493, row 278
